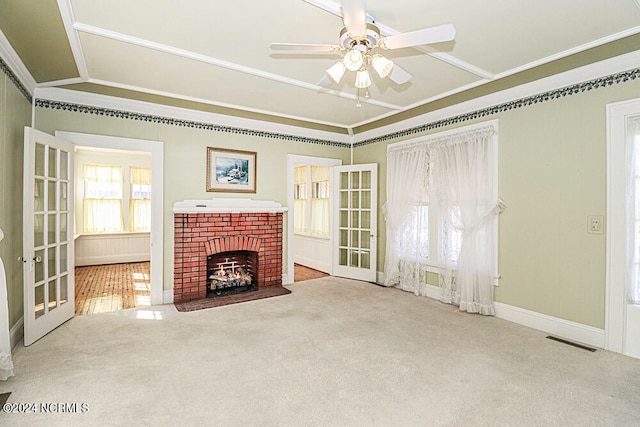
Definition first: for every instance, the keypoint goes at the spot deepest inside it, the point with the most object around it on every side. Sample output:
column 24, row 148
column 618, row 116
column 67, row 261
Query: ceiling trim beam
column 66, row 12
column 208, row 102
column 11, row 58
column 572, row 51
column 178, row 113
column 63, row 82
column 89, row 29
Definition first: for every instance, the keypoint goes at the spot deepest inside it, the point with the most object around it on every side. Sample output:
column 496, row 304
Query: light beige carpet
column 333, row 352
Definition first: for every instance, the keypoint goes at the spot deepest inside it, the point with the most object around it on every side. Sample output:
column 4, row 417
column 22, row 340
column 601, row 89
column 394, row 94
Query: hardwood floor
column 105, row 288
column 302, row 273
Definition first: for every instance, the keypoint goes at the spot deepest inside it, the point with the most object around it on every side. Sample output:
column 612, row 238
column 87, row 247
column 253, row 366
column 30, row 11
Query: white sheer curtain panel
column 300, row 199
column 463, row 178
column 407, row 226
column 320, row 201
column 140, row 201
column 6, row 362
column 633, row 210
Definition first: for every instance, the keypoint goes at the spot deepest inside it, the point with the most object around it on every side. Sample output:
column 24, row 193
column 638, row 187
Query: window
column 102, row 203
column 311, row 200
column 441, row 213
column 140, row 201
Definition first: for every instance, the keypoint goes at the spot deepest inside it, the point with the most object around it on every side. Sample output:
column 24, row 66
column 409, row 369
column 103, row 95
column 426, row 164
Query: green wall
column 552, row 175
column 15, row 114
column 185, row 159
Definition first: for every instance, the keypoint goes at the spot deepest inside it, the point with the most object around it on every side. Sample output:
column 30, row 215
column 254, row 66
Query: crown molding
column 139, row 110
column 17, row 70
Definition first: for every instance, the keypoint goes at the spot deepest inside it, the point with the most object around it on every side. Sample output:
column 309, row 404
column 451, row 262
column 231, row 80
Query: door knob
column 37, row 258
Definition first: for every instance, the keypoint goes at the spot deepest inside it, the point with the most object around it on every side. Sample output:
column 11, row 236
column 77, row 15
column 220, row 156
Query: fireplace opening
column 231, row 272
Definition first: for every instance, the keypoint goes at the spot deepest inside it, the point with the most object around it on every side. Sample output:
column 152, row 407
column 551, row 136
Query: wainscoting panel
column 97, row 249
column 312, row 252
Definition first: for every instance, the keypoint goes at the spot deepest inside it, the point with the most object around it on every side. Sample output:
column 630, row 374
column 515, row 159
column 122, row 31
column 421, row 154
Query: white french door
column 355, row 223
column 47, row 234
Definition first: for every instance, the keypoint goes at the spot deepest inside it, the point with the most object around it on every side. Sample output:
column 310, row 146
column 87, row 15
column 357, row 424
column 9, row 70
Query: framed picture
column 231, row 171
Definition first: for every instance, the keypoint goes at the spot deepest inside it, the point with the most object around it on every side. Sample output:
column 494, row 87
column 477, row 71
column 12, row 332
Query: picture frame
column 231, row 171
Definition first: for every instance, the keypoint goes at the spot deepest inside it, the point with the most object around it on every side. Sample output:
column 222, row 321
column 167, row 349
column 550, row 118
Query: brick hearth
column 198, row 234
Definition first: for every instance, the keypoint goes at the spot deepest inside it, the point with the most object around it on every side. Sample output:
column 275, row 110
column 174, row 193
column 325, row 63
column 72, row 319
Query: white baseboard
column 16, row 333
column 566, row 329
column 560, row 328
column 285, row 279
column 167, row 296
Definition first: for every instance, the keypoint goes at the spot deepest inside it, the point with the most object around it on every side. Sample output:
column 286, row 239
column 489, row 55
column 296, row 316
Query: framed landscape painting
column 231, row 171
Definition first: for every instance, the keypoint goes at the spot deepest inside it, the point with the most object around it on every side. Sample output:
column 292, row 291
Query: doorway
column 308, row 244
column 139, row 276
column 622, row 321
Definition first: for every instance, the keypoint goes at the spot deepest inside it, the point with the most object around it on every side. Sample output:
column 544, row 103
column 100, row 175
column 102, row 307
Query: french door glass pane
column 52, row 163
column 38, row 230
column 63, row 259
column 51, row 185
column 63, row 289
column 51, row 230
column 39, row 161
column 63, row 227
column 52, row 295
column 39, row 300
column 64, row 165
column 39, row 265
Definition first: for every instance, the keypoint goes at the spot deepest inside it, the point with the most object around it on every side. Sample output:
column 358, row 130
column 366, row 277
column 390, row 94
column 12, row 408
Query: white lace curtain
column 633, row 210
column 407, row 191
column 6, row 362
column 454, row 173
column 464, row 178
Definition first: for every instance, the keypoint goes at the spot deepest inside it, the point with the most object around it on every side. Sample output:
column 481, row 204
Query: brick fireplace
column 208, row 231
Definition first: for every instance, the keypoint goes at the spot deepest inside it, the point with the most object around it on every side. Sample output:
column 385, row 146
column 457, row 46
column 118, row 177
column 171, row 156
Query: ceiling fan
column 360, row 43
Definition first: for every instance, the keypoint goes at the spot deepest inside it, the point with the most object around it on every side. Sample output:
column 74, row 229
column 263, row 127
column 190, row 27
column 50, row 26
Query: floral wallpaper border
column 23, row 90
column 535, row 99
column 485, row 112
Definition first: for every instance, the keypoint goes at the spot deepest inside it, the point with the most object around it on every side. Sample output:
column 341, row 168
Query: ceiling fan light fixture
column 382, row 65
column 363, row 80
column 353, row 60
column 336, row 71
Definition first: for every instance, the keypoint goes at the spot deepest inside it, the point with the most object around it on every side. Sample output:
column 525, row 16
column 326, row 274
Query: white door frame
column 156, row 148
column 292, row 161
column 616, row 224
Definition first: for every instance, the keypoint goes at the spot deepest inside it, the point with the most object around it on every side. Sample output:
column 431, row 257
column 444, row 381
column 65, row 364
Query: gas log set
column 229, row 277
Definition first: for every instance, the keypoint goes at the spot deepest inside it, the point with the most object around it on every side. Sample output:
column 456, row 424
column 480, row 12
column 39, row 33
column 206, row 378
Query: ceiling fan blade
column 398, row 75
column 325, row 81
column 307, row 47
column 441, row 33
column 354, row 16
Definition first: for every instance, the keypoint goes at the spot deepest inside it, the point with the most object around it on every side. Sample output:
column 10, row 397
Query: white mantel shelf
column 228, row 205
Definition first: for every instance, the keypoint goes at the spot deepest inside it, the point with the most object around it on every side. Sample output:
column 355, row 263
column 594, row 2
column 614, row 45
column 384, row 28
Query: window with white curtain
column 311, row 200
column 140, row 201
column 102, row 204
column 441, row 213
column 633, row 210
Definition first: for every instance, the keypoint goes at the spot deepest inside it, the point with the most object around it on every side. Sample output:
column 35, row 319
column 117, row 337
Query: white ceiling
column 217, row 52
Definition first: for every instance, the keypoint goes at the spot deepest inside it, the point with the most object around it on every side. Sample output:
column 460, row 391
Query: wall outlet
column 595, row 224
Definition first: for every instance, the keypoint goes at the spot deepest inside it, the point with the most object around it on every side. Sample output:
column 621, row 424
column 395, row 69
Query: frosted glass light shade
column 362, row 79
column 382, row 65
column 336, row 71
column 353, row 60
